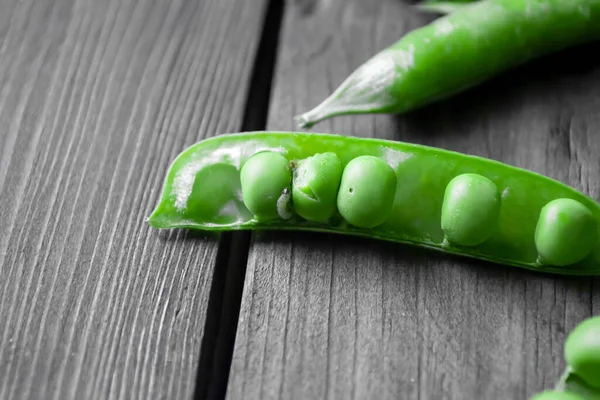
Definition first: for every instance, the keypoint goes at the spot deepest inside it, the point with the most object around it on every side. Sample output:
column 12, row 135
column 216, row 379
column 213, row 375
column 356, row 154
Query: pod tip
column 152, row 221
column 303, row 121
column 156, row 218
column 321, row 112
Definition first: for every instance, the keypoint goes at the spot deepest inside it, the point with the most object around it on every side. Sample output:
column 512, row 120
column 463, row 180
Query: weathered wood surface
column 333, row 317
column 96, row 99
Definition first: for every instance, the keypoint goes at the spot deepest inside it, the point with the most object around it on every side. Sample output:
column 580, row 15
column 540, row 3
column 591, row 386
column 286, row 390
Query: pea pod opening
column 388, row 190
column 471, row 44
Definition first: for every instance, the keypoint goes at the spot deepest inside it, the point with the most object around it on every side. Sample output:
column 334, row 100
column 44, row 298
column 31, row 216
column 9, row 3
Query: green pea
column 264, row 179
column 566, row 232
column 213, row 196
column 470, row 209
column 315, row 186
column 553, row 395
column 582, row 351
column 367, row 191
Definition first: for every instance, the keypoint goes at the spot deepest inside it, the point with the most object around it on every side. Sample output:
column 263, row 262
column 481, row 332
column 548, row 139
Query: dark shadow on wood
column 428, row 258
column 213, row 318
column 171, row 235
column 231, row 298
column 230, row 270
column 557, row 69
column 221, row 321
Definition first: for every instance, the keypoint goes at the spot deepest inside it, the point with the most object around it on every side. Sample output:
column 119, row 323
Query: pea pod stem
column 426, row 206
column 457, row 51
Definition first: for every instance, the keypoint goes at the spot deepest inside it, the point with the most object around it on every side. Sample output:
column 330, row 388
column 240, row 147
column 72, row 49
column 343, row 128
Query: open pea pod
column 399, row 192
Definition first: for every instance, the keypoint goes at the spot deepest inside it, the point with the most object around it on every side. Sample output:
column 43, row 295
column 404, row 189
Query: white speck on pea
column 283, row 203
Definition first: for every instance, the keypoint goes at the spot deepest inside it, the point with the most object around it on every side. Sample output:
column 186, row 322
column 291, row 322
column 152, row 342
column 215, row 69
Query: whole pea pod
column 581, row 379
column 394, row 191
column 457, row 51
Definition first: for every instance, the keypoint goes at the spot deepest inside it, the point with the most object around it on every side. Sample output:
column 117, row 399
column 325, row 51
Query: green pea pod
column 443, row 7
column 554, row 395
column 581, row 379
column 582, row 351
column 574, row 385
column 457, row 51
column 388, row 190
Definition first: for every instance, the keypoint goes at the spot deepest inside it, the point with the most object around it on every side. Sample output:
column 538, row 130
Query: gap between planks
column 230, row 269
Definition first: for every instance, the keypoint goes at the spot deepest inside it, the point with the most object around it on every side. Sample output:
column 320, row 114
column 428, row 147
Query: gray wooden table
column 96, row 99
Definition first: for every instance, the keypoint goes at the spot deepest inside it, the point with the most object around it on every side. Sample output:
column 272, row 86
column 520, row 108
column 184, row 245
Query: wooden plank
column 96, row 99
column 333, row 317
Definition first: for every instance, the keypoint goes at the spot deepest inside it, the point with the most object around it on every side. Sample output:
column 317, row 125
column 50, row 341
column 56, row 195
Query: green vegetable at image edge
column 581, row 379
column 473, row 43
column 398, row 192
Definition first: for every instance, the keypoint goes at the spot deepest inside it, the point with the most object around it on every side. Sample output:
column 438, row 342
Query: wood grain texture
column 96, row 99
column 333, row 317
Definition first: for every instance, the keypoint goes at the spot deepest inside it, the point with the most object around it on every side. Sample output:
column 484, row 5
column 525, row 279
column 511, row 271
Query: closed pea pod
column 387, row 190
column 458, row 51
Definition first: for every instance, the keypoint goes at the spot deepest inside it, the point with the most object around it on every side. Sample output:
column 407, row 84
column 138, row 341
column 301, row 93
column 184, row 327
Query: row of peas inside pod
column 362, row 192
column 317, row 187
